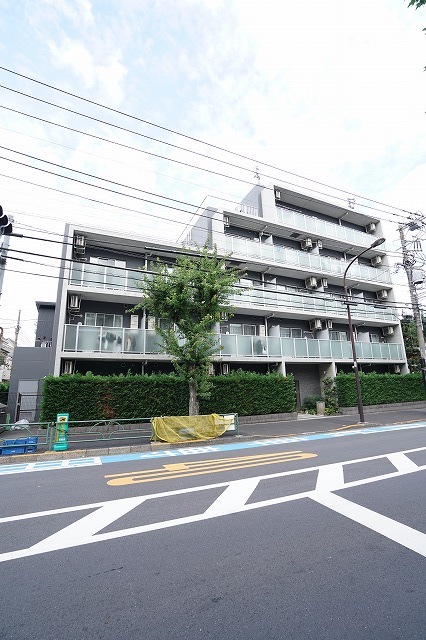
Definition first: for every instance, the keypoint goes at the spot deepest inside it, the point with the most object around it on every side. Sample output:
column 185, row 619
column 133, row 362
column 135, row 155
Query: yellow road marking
column 195, row 468
column 348, row 426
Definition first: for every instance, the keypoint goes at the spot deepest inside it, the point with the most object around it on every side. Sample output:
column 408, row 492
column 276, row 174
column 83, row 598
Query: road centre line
column 232, row 500
column 7, row 469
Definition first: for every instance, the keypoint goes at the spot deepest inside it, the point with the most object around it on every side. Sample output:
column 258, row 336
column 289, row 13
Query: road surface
column 321, row 537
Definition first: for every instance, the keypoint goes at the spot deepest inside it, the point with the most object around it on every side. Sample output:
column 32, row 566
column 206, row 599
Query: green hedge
column 379, row 388
column 4, row 392
column 89, row 397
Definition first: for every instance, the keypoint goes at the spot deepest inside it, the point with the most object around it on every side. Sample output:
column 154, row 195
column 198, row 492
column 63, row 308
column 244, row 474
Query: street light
column 351, row 330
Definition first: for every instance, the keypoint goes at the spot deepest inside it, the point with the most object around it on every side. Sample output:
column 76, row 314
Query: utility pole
column 408, row 266
column 17, row 328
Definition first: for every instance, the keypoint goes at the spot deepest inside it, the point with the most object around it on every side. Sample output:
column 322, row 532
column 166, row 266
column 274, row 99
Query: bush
column 310, row 403
column 379, row 388
column 4, row 392
column 92, row 397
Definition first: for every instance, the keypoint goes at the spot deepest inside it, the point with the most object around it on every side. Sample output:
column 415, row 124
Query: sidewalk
column 304, row 424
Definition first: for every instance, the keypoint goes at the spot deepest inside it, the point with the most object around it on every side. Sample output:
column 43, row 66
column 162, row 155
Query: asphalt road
column 314, row 538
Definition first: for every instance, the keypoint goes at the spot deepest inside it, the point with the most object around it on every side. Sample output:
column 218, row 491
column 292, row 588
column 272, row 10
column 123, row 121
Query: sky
column 324, row 97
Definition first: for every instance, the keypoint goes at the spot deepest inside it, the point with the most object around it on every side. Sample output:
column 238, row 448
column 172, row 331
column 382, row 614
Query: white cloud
column 79, row 11
column 108, row 77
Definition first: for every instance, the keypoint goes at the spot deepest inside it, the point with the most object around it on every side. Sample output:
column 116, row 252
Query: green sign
column 61, row 434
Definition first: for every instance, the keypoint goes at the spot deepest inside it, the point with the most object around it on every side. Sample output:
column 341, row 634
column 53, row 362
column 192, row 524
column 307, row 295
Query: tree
column 417, row 4
column 411, row 343
column 187, row 300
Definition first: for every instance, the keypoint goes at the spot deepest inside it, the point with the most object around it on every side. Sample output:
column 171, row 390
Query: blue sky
column 331, row 90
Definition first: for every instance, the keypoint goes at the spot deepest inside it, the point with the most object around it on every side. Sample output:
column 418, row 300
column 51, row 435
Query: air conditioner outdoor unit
column 319, row 244
column 370, row 228
column 79, row 244
column 327, row 324
column 211, row 369
column 306, row 244
column 315, row 324
column 225, row 369
column 226, row 221
column 68, row 366
column 375, row 261
column 74, row 303
column 382, row 294
column 387, row 331
column 277, row 194
column 394, row 368
column 311, row 283
column 324, row 283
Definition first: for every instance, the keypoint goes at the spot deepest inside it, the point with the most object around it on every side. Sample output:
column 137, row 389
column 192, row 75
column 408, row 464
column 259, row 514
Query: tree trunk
column 194, row 408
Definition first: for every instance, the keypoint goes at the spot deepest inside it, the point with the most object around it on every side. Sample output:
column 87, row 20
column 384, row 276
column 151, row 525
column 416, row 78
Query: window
column 108, row 262
column 375, row 337
column 103, row 320
column 289, row 332
column 243, row 329
column 342, row 336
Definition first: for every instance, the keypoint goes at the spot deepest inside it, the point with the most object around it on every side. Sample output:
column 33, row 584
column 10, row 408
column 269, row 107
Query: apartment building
column 291, row 316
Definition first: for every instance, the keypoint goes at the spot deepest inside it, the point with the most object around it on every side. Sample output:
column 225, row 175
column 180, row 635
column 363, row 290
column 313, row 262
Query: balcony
column 321, row 305
column 87, row 274
column 321, row 228
column 107, row 340
column 306, row 262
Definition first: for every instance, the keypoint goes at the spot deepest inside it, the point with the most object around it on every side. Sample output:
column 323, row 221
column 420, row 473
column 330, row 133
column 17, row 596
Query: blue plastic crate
column 32, row 440
column 7, row 443
column 20, row 441
column 32, row 448
column 11, row 450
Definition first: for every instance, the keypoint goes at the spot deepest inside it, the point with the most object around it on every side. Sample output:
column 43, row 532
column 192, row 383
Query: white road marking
column 396, row 531
column 84, row 530
column 235, row 494
column 330, row 476
column 401, row 462
column 232, row 500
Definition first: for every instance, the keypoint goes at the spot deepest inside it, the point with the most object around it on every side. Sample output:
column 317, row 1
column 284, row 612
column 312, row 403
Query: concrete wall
column 29, row 364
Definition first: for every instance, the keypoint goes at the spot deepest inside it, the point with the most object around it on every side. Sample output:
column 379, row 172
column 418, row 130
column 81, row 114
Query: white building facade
column 291, row 316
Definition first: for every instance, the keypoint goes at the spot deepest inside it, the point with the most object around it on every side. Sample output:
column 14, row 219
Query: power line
column 324, row 298
column 279, row 180
column 203, row 142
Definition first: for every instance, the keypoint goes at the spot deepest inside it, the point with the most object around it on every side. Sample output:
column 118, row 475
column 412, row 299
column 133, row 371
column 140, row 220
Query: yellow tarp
column 182, row 428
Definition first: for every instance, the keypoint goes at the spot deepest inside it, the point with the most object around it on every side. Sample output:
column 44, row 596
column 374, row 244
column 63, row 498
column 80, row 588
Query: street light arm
column 376, row 243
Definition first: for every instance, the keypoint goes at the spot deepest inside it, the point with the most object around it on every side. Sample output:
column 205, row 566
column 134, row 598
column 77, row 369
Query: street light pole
column 351, row 330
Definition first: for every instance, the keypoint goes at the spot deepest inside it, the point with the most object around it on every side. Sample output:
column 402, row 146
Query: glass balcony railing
column 102, row 277
column 311, row 262
column 88, row 339
column 321, row 228
column 319, row 305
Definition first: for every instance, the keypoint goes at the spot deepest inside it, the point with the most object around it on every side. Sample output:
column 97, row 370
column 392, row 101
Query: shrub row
column 4, row 392
column 89, row 397
column 379, row 388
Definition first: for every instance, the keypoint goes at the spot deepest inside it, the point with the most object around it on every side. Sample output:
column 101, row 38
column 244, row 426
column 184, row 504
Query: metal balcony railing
column 88, row 339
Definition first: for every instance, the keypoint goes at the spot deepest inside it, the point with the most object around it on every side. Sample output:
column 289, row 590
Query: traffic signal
column 5, row 224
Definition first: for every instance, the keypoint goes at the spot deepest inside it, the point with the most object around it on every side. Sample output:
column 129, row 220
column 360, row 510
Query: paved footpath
column 305, row 426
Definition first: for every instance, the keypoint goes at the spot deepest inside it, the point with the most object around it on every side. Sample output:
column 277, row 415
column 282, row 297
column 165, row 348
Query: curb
column 155, row 446
column 120, row 450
